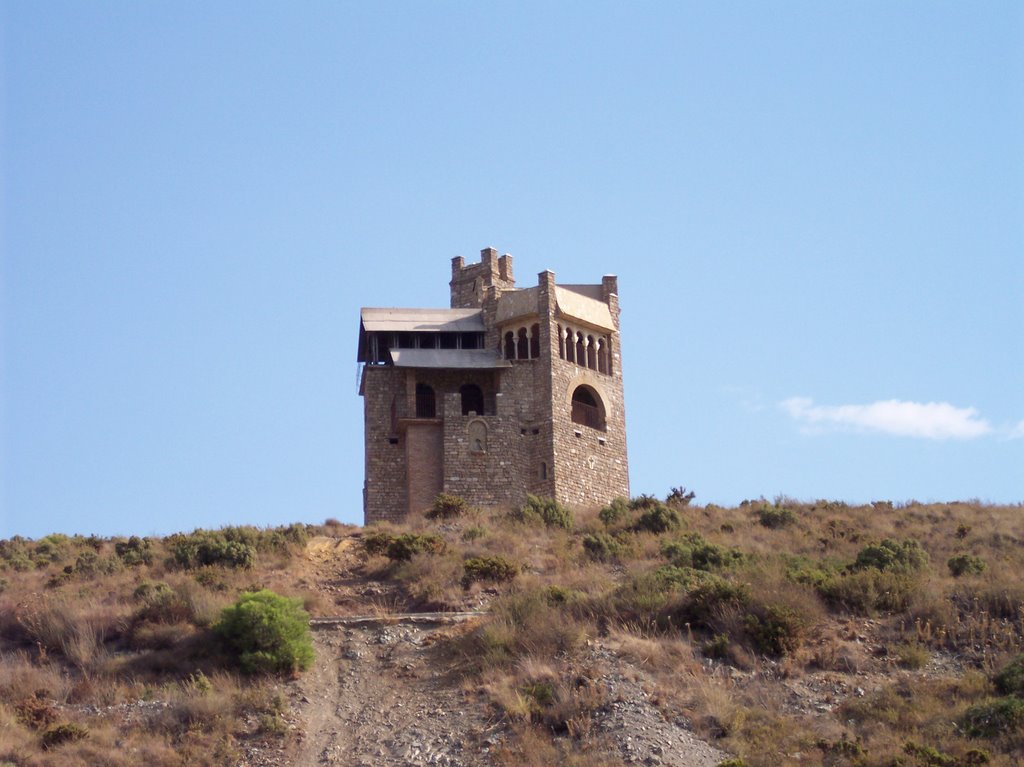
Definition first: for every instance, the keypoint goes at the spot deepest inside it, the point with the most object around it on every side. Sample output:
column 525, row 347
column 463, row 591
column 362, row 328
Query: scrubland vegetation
column 135, row 651
column 787, row 633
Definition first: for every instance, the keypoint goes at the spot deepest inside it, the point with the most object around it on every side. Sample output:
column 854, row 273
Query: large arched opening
column 587, row 408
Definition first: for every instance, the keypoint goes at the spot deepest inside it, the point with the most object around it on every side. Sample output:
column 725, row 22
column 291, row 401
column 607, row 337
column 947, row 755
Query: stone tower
column 508, row 392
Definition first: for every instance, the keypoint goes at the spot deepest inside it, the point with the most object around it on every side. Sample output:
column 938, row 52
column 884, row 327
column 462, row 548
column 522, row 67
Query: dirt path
column 382, row 695
column 385, row 691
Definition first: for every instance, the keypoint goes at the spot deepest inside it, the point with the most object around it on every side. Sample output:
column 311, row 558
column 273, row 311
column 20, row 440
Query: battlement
column 470, row 284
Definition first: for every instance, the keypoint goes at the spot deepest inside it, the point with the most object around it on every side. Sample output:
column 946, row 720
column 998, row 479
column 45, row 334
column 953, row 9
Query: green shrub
column 493, row 569
column 615, row 512
column 928, row 756
column 736, row 761
column 680, row 497
column 893, row 556
column 268, row 633
column 864, row 592
column 1010, row 679
column 135, row 551
column 601, row 546
column 447, row 506
column 1002, row 716
column 658, row 518
column 546, row 510
column 774, row 517
column 402, row 547
column 161, row 604
column 227, row 548
column 717, row 647
column 709, row 597
column 693, row 551
column 965, row 564
column 842, row 748
column 376, row 542
column 65, row 732
column 776, row 631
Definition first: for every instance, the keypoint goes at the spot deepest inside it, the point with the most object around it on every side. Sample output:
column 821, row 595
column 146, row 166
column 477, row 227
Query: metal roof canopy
column 464, row 359
column 423, row 320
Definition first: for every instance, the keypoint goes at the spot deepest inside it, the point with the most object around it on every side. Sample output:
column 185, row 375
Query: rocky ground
column 384, row 691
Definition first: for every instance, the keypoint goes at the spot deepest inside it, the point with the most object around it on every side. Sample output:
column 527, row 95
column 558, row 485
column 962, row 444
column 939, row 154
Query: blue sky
column 816, row 212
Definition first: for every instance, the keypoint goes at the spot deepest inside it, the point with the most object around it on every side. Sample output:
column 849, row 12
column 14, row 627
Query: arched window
column 570, row 345
column 581, row 352
column 609, row 340
column 510, row 346
column 587, row 408
column 477, row 436
column 602, row 356
column 535, row 341
column 561, row 343
column 591, row 353
column 472, row 399
column 524, row 345
column 426, row 405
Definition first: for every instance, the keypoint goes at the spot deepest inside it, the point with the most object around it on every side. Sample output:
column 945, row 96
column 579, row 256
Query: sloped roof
column 516, row 303
column 465, row 359
column 423, row 320
column 574, row 305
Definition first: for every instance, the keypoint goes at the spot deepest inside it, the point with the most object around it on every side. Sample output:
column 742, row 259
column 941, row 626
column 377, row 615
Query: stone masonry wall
column 384, row 491
column 532, row 444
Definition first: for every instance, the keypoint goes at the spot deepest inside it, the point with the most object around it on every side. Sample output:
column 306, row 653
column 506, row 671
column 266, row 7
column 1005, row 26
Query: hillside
column 648, row 632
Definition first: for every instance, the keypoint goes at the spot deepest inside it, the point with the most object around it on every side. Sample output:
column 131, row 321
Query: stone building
column 508, row 392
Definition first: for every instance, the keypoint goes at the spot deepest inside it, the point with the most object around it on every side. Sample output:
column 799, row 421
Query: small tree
column 269, row 633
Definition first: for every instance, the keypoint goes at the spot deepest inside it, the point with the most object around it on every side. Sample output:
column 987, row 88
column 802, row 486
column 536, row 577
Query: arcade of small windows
column 380, row 343
column 585, row 349
column 522, row 344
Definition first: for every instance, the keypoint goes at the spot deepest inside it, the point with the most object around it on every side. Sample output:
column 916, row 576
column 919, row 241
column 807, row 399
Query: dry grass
column 116, row 624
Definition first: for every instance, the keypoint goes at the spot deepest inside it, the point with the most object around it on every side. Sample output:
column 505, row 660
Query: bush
column 135, row 551
column 493, row 569
column 774, row 517
column 447, row 506
column 268, row 632
column 693, row 551
column 546, row 510
column 717, row 647
column 893, row 556
column 864, row 592
column 680, row 497
column 601, row 546
column 403, row 547
column 376, row 542
column 1010, row 679
column 965, row 564
column 710, row 597
column 63, row 733
column 227, row 548
column 776, row 631
column 614, row 512
column 1002, row 716
column 658, row 518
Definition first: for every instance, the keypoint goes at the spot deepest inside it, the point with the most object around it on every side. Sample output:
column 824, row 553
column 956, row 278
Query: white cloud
column 927, row 420
column 1017, row 431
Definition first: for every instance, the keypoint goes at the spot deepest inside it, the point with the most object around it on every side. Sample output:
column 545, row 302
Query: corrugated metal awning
column 464, row 359
column 423, row 320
